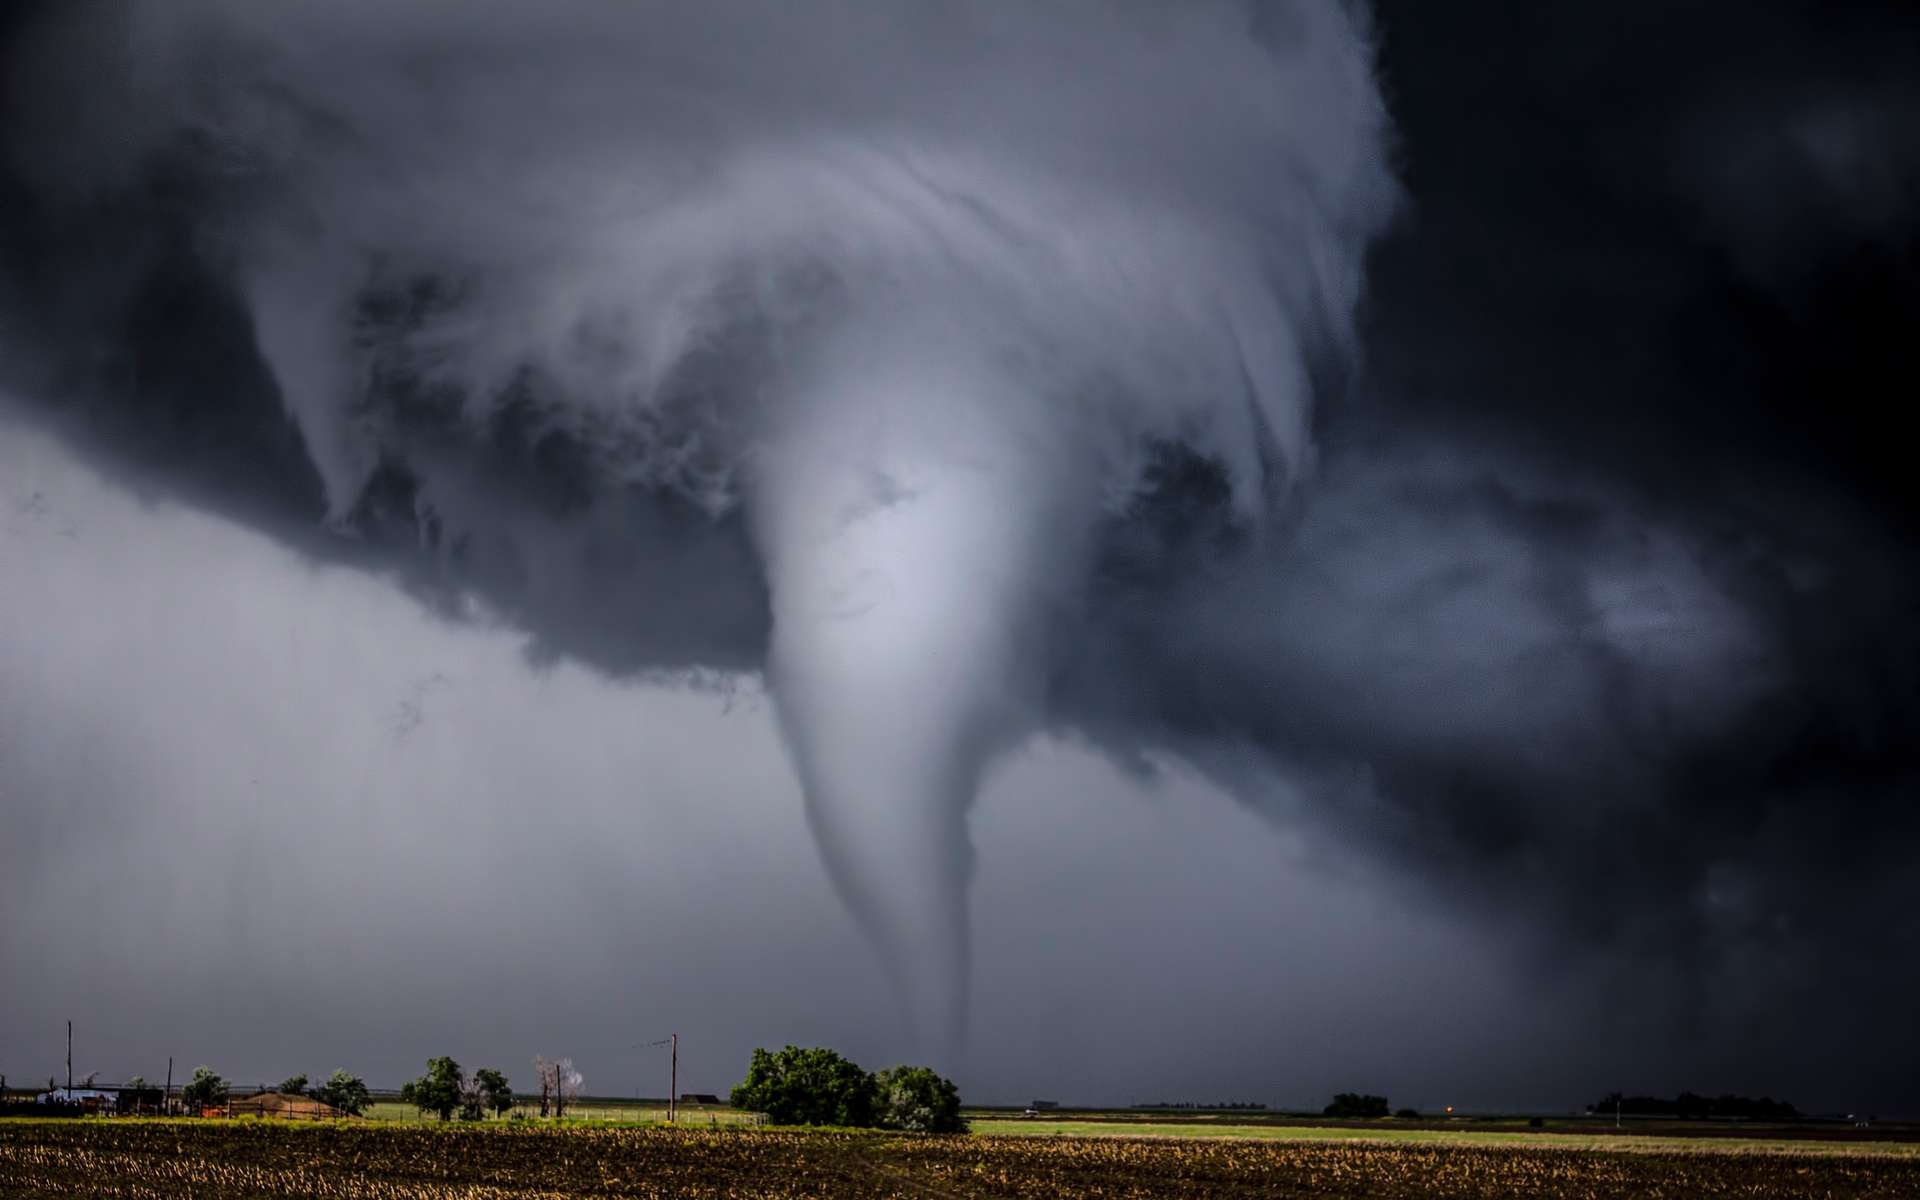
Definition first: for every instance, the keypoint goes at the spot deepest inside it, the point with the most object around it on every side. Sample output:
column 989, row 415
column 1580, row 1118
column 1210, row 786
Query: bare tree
column 559, row 1085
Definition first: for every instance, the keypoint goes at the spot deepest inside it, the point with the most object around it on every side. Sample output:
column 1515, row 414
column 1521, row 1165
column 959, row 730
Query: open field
column 218, row 1160
column 1522, row 1123
column 1382, row 1132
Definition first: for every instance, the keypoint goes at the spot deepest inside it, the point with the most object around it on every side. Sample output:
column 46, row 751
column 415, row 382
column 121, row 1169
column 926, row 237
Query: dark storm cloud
column 1599, row 618
column 1596, row 617
column 1603, row 617
column 1670, row 253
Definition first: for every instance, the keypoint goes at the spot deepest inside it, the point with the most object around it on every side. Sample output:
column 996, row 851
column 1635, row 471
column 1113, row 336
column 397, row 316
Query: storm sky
column 1233, row 551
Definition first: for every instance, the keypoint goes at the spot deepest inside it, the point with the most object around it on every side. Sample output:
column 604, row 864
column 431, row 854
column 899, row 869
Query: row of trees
column 815, row 1086
column 208, row 1089
column 444, row 1090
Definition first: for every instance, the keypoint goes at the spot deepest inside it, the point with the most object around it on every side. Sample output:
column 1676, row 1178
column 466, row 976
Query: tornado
column 914, row 539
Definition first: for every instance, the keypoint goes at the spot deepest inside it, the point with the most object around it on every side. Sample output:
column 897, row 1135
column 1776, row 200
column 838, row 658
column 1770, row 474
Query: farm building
column 90, row 1099
column 281, row 1106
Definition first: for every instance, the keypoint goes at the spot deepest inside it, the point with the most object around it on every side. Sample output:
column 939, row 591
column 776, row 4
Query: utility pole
column 69, row 1060
column 166, row 1104
column 673, row 1078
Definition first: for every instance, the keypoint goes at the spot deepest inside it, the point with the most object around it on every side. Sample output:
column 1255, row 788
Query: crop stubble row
column 227, row 1160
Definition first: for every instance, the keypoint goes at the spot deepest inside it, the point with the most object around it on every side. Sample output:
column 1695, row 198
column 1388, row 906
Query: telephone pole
column 166, row 1105
column 69, row 1060
column 673, row 1078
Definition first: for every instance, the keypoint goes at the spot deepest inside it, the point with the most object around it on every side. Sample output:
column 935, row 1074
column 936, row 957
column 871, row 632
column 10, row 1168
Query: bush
column 344, row 1091
column 806, row 1087
column 1407, row 1114
column 1354, row 1105
column 496, row 1094
column 818, row 1087
column 917, row 1100
column 205, row 1090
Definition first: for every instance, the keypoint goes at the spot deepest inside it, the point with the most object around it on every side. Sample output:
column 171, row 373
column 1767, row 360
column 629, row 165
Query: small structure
column 91, row 1100
column 283, row 1106
column 134, row 1101
column 699, row 1098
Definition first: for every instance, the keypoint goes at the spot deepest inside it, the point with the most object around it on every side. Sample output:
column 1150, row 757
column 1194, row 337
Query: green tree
column 498, row 1093
column 293, row 1085
column 917, row 1100
column 438, row 1091
column 137, row 1084
column 344, row 1091
column 813, row 1086
column 205, row 1090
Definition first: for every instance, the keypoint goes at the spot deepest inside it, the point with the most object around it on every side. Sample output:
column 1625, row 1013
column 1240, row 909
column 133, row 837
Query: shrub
column 917, row 1100
column 1356, row 1105
column 344, row 1091
column 205, row 1090
column 814, row 1086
